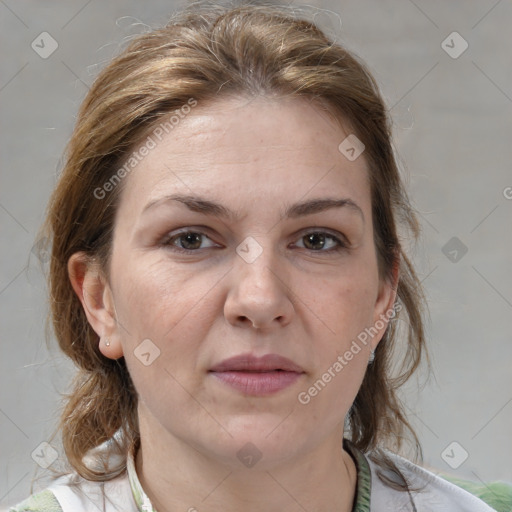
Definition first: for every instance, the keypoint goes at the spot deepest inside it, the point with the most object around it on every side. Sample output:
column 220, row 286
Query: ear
column 94, row 292
column 385, row 309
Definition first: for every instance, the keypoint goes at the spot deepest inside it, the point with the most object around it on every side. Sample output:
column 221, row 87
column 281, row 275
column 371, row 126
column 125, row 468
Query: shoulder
column 44, row 501
column 71, row 493
column 497, row 494
column 435, row 492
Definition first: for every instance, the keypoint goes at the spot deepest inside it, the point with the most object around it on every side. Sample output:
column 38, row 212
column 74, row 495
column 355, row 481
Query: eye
column 189, row 241
column 186, row 241
column 317, row 241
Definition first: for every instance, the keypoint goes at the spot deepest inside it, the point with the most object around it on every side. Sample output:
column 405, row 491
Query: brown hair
column 205, row 52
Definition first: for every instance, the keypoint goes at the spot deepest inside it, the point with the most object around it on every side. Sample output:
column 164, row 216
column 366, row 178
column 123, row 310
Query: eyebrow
column 301, row 209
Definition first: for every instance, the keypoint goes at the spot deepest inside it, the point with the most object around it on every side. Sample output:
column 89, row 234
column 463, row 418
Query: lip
column 251, row 363
column 257, row 375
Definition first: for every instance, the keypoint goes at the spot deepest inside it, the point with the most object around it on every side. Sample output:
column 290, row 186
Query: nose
column 260, row 294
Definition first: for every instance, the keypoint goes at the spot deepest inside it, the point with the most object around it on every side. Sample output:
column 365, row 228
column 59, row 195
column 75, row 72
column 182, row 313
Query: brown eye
column 320, row 241
column 186, row 241
column 190, row 240
column 314, row 241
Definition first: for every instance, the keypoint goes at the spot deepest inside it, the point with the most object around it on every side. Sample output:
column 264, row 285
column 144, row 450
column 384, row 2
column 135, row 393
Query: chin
column 262, row 442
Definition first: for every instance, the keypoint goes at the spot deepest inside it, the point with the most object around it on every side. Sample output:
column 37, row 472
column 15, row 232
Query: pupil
column 316, row 237
column 189, row 239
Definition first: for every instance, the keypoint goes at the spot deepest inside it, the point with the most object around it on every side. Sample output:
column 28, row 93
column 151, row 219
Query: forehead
column 246, row 149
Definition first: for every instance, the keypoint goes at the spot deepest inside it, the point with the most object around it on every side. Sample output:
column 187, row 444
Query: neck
column 177, row 476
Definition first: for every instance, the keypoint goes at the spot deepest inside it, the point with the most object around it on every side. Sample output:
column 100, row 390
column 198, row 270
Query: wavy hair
column 206, row 52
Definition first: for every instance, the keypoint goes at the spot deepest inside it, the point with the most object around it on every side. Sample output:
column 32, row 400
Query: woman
column 227, row 275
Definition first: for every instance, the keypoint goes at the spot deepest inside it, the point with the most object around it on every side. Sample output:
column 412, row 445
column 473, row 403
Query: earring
column 372, row 357
column 107, row 342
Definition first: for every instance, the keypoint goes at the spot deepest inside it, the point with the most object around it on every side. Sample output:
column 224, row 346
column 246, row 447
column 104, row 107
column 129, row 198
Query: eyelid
column 199, row 230
column 326, row 231
column 342, row 242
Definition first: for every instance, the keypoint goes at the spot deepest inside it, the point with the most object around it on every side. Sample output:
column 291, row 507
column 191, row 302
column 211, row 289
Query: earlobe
column 94, row 293
column 110, row 350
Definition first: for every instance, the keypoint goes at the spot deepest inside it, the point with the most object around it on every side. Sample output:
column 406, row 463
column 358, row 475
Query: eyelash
column 168, row 242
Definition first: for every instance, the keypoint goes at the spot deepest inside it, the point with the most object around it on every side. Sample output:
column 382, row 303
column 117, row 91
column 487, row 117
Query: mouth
column 257, row 375
column 251, row 363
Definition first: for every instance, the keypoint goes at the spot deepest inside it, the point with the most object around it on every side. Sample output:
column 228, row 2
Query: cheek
column 356, row 304
column 342, row 357
column 350, row 300
column 142, row 292
column 161, row 305
column 170, row 306
column 143, row 286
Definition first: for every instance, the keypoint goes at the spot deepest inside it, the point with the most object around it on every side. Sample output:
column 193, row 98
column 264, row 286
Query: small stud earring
column 372, row 357
column 107, row 342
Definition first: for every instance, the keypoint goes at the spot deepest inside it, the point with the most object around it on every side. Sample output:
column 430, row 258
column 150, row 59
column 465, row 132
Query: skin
column 299, row 300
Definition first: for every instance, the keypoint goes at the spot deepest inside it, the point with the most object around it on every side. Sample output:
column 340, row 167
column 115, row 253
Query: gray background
column 452, row 125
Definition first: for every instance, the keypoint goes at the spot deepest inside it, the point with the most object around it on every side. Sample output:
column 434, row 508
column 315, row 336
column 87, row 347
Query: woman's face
column 266, row 270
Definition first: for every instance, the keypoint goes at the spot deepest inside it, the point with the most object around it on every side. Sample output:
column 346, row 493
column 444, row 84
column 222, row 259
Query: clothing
column 125, row 493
